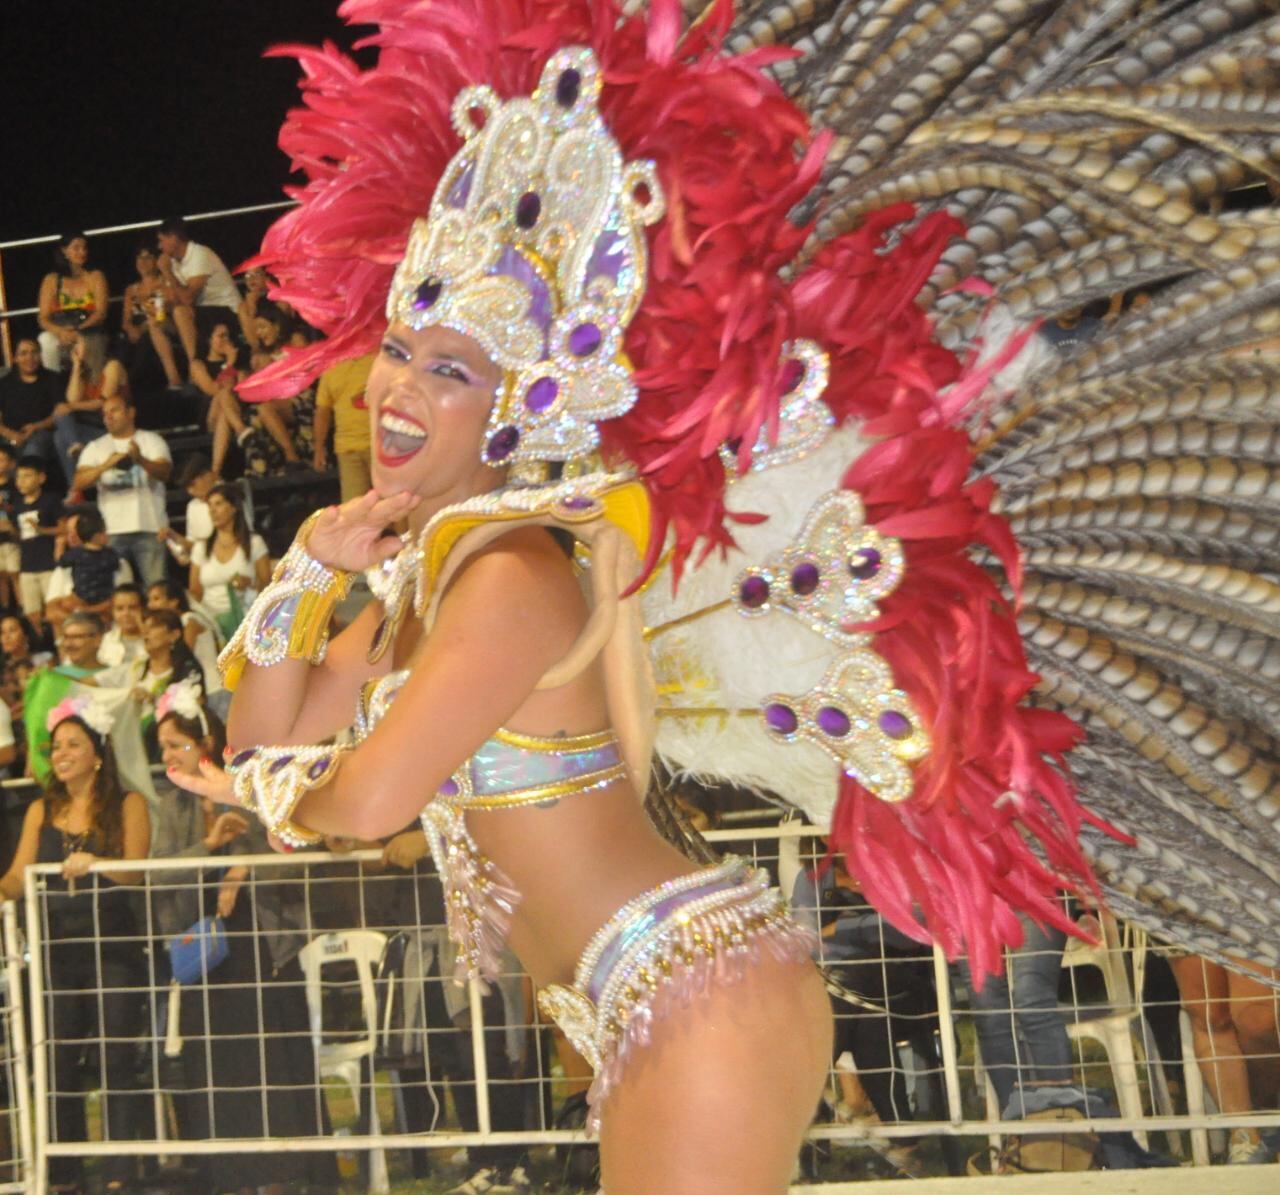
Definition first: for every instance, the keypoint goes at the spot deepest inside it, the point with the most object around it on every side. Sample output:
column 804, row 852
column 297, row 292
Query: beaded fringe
column 479, row 898
column 678, row 986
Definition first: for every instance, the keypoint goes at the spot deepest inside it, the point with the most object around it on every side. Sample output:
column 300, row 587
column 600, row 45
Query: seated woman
column 145, row 318
column 215, row 372
column 246, row 1032
column 72, row 306
column 232, row 558
column 93, row 959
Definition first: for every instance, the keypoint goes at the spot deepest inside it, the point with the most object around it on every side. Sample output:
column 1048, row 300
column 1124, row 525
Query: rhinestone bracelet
column 270, row 781
column 290, row 618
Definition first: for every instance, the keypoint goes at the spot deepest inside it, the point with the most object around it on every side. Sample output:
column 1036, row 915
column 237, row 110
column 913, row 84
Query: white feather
column 726, row 660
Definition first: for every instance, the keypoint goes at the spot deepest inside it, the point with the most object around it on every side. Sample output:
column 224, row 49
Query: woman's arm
column 44, row 317
column 194, row 585
column 112, row 378
column 203, row 379
column 513, row 611
column 25, row 855
column 261, row 572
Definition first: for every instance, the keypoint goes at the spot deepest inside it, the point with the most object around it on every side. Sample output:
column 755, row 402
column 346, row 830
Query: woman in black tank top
column 93, row 959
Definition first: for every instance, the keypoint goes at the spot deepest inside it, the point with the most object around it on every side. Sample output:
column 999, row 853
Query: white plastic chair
column 1119, row 1026
column 345, row 1060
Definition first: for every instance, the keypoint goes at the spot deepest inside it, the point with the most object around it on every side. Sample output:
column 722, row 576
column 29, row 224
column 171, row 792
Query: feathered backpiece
column 849, row 639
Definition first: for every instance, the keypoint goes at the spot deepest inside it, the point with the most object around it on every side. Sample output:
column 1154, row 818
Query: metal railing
column 467, row 1034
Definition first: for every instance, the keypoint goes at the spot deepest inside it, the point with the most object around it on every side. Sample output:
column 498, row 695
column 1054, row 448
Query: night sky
column 124, row 110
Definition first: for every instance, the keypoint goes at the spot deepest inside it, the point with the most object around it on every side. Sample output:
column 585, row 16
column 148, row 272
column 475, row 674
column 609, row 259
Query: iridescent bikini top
column 511, row 769
column 507, row 770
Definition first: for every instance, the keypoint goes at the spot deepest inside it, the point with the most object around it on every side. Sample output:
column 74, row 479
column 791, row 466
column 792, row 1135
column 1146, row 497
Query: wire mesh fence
column 274, row 1018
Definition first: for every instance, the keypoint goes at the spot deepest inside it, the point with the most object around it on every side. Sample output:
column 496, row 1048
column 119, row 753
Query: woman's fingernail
column 206, row 762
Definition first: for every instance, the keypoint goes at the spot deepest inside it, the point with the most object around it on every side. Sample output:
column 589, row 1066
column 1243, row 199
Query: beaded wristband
column 291, row 617
column 270, row 781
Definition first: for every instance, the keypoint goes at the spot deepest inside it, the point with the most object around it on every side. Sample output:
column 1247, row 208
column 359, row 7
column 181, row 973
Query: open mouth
column 399, row 437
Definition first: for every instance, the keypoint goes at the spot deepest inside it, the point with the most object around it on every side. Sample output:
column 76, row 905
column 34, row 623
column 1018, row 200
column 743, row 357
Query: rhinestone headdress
column 535, row 247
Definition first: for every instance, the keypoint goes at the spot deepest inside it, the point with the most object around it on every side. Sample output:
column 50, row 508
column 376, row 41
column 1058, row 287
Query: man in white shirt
column 200, row 288
column 129, row 468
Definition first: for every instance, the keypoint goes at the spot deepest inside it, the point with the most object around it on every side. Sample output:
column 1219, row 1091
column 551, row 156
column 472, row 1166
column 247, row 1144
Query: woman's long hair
column 232, row 494
column 61, row 266
column 107, row 820
column 184, row 663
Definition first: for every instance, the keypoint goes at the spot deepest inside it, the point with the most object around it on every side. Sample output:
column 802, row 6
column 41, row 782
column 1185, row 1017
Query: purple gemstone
column 584, row 340
column 792, row 375
column 283, row 762
column 528, row 209
column 832, row 722
column 804, row 579
column 865, row 564
column 781, row 718
column 753, row 592
column 567, row 87
column 541, row 394
column 427, row 293
column 449, row 788
column 894, row 724
column 316, row 770
column 503, row 443
column 243, row 757
column 578, row 502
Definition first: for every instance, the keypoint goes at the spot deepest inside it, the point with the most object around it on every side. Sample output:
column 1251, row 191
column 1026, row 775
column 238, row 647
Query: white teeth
column 391, row 422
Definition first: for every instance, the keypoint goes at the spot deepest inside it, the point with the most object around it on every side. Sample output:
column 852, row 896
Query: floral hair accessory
column 186, row 699
column 92, row 713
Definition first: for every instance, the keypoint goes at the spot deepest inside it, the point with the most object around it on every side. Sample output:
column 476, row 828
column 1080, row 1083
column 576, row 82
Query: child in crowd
column 123, row 643
column 93, row 565
column 37, row 517
column 197, row 477
column 9, row 499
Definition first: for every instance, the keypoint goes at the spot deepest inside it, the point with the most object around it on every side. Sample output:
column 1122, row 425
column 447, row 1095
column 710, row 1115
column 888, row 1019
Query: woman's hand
column 227, row 894
column 405, row 850
column 226, row 828
column 77, row 864
column 212, row 782
column 353, row 536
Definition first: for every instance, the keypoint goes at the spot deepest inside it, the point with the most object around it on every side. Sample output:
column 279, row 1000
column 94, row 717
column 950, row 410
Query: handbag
column 198, row 949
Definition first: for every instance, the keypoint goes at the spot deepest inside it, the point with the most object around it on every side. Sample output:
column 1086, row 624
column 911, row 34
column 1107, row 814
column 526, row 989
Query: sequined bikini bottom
column 660, row 950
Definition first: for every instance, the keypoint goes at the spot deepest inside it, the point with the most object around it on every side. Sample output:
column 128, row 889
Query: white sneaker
column 1245, row 1151
column 484, row 1182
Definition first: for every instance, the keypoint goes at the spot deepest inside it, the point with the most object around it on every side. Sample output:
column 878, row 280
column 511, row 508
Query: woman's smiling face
column 429, row 396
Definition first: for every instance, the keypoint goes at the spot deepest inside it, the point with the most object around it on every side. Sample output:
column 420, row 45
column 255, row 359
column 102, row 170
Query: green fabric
column 44, row 690
column 228, row 622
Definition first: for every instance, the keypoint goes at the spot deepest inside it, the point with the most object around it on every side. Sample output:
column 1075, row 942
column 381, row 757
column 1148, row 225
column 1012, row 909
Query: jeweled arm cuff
column 291, row 617
column 270, row 781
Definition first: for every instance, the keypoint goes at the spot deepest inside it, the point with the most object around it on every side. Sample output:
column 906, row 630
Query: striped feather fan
column 1092, row 149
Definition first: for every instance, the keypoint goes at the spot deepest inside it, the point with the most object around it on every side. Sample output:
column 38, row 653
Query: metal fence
column 332, row 1030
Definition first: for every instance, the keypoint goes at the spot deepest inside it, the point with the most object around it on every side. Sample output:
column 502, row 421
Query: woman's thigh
column 718, row 1103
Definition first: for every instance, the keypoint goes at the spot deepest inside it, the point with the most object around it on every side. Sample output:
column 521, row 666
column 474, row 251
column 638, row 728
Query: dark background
column 120, row 111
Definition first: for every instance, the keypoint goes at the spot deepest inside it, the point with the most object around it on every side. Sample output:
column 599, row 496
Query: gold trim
column 671, row 624
column 703, row 711
column 545, row 792
column 558, row 746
